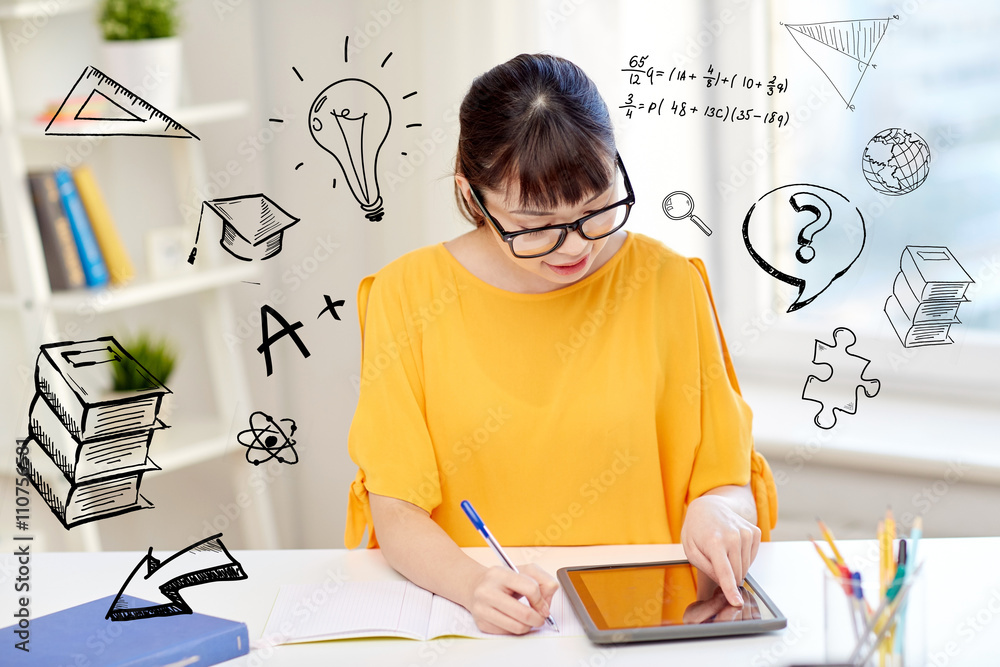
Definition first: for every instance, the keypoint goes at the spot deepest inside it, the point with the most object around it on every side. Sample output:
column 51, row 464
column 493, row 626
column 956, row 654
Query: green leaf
column 138, row 19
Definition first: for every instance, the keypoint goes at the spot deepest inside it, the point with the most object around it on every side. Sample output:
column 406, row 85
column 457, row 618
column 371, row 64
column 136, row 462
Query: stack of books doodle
column 926, row 295
column 88, row 448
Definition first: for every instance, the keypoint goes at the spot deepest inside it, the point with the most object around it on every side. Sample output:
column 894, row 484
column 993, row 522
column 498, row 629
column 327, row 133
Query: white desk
column 963, row 593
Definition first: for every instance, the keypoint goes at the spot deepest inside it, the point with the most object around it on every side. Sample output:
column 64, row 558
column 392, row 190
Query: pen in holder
column 863, row 627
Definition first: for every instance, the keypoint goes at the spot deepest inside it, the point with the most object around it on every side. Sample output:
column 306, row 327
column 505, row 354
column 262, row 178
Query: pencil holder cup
column 863, row 627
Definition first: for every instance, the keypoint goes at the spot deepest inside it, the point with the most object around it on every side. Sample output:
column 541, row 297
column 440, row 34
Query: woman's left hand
column 720, row 543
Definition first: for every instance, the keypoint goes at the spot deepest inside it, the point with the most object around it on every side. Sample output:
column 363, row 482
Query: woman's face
column 571, row 261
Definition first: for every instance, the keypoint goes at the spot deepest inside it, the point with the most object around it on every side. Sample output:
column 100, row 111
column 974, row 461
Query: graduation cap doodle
column 252, row 226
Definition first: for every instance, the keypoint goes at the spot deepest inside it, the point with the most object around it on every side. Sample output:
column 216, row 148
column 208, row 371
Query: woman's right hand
column 495, row 601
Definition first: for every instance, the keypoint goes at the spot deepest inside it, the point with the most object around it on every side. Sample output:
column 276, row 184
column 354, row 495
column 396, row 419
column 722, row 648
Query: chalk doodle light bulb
column 350, row 120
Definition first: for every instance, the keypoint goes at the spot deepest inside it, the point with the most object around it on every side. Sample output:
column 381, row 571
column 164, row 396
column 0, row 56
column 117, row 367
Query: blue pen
column 497, row 549
column 857, row 601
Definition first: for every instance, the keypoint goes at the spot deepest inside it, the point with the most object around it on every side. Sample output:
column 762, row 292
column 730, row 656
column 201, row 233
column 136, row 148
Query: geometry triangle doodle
column 108, row 104
column 843, row 50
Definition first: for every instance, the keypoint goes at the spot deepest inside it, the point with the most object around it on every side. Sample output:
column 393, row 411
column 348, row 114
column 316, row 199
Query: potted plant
column 142, row 50
column 157, row 356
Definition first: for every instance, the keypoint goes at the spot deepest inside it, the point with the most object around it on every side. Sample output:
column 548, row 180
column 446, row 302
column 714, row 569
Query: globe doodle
column 896, row 161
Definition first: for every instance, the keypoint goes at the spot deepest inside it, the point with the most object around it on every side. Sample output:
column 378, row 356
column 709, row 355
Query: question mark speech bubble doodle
column 807, row 201
column 830, row 235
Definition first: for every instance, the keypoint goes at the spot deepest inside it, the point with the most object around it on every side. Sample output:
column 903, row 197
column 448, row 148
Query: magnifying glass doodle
column 679, row 205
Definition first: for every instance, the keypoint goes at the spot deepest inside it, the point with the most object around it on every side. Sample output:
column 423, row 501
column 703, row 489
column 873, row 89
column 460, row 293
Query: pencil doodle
column 679, row 205
column 109, row 109
column 842, row 50
column 268, row 439
column 830, row 237
column 896, row 161
column 252, row 226
column 926, row 295
column 87, row 450
column 838, row 392
column 268, row 340
column 350, row 119
column 331, row 307
column 162, row 580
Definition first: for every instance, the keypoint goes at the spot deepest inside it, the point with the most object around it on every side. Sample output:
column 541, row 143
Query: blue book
column 94, row 268
column 82, row 635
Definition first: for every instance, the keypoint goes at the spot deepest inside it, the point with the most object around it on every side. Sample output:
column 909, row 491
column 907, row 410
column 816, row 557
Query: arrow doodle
column 201, row 563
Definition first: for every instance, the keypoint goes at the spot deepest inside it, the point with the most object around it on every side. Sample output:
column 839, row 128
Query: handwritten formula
column 651, row 80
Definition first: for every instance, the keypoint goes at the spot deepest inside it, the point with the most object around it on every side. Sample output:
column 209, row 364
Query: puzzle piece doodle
column 839, row 390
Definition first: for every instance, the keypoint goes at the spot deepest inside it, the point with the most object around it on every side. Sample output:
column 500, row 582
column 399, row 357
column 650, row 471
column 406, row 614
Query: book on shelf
column 75, row 503
column 932, row 272
column 94, row 268
column 91, row 258
column 82, row 635
column 74, row 377
column 62, row 259
column 84, row 460
column 110, row 242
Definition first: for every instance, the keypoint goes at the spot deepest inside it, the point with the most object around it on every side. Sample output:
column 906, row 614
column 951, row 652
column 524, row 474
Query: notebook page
column 313, row 612
column 416, row 610
column 564, row 616
column 448, row 618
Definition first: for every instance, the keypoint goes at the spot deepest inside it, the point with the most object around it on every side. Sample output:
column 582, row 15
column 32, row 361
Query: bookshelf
column 188, row 116
column 38, row 310
column 23, row 10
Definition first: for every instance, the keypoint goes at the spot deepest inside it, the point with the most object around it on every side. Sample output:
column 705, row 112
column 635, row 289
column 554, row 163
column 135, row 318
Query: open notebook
column 316, row 612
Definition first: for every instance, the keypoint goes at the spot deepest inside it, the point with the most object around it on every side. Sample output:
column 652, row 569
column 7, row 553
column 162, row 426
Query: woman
column 564, row 376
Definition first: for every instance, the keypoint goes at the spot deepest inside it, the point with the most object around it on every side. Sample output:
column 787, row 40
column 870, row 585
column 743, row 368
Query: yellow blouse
column 591, row 414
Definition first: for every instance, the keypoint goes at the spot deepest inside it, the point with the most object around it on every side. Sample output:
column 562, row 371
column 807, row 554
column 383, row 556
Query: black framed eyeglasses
column 529, row 243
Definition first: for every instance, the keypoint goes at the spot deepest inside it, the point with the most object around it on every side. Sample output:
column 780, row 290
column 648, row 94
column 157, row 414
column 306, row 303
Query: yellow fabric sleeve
column 721, row 395
column 392, row 394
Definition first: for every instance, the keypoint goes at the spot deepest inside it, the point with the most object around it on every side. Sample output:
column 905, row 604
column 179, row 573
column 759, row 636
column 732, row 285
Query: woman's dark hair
column 537, row 121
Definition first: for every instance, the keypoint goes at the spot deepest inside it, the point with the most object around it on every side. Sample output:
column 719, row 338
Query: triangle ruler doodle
column 843, row 50
column 110, row 110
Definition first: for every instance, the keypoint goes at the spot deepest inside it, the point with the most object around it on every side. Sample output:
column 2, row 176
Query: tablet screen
column 660, row 595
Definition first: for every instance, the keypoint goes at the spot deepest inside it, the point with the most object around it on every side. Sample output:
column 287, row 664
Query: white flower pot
column 150, row 68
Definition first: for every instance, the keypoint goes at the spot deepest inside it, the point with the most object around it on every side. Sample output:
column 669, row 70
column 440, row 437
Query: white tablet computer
column 668, row 600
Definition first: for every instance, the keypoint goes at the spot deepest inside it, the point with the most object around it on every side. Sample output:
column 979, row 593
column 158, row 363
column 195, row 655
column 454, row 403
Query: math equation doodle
column 842, row 50
column 729, row 82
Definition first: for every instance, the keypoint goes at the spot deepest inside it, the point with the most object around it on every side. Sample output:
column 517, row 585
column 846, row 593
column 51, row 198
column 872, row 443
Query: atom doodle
column 266, row 439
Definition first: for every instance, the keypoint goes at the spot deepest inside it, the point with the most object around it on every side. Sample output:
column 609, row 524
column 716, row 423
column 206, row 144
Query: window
column 935, row 73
